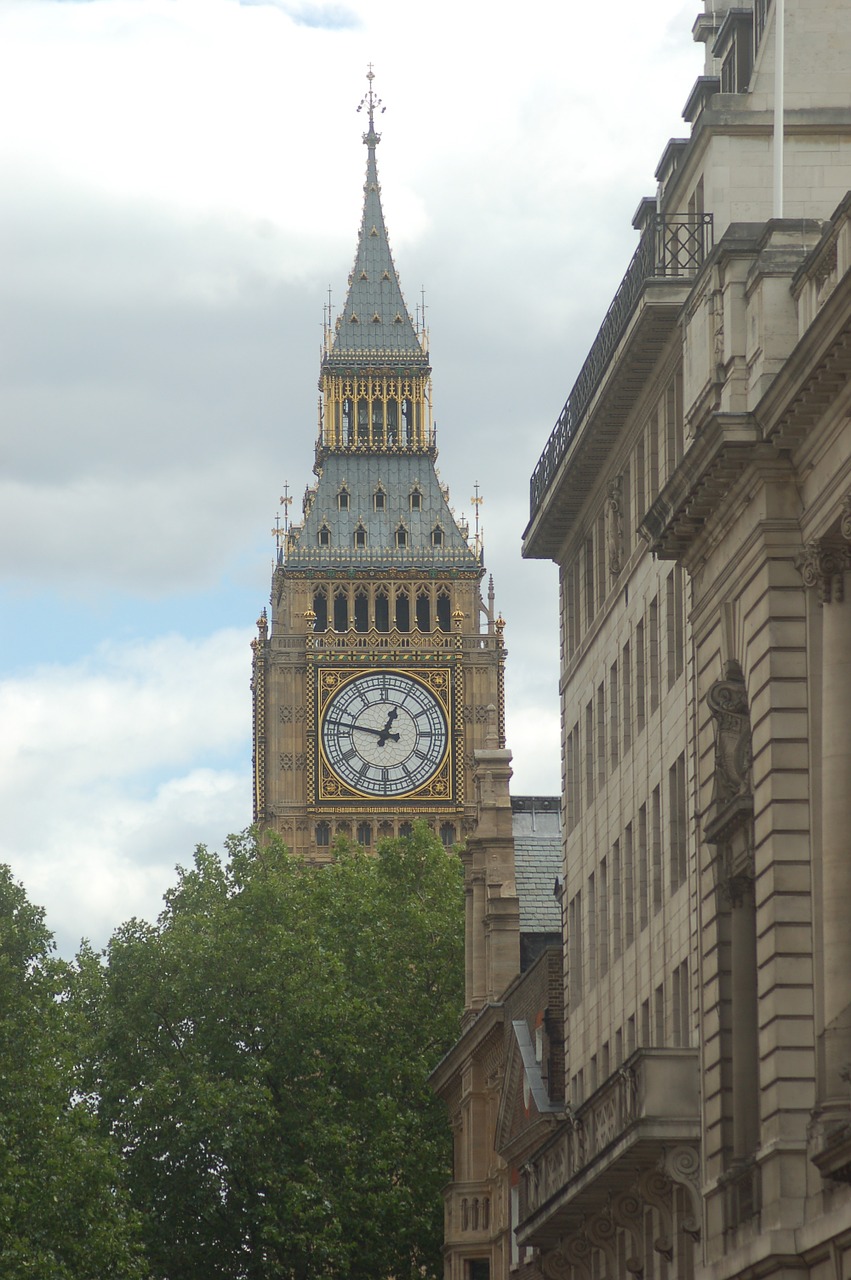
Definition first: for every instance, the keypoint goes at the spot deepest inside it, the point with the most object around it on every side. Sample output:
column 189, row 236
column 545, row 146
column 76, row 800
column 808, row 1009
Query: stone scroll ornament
column 727, row 699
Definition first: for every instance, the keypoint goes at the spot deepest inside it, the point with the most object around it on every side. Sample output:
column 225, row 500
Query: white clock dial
column 384, row 733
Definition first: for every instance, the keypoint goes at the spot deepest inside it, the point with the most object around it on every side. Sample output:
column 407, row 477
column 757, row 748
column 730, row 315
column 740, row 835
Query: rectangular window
column 677, row 821
column 601, row 737
column 617, row 912
column 642, row 868
column 654, row 654
column 614, row 714
column 571, row 613
column 670, row 629
column 640, row 678
column 589, row 753
column 680, row 1006
column 645, row 1024
column 603, row 948
column 574, row 789
column 626, row 499
column 592, row 1074
column 630, row 1035
column 659, row 1009
column 592, row 930
column 602, row 561
column 640, row 493
column 628, row 888
column 626, row 698
column 574, row 948
column 605, row 1061
column 589, row 581
column 656, row 846
column 619, row 1047
column 653, row 456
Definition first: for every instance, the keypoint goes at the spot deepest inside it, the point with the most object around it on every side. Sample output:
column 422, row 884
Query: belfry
column 380, row 669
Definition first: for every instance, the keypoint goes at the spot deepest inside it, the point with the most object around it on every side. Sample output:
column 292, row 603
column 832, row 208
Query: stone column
column 824, row 566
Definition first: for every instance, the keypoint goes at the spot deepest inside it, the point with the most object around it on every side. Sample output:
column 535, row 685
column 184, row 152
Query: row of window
column 618, row 712
column 364, row 832
column 379, row 498
column 654, row 1026
column 628, row 885
column 366, row 608
column 401, row 535
column 610, row 538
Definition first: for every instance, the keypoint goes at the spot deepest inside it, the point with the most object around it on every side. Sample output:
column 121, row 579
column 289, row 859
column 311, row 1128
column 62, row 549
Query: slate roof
column 375, row 320
column 398, row 476
column 536, row 823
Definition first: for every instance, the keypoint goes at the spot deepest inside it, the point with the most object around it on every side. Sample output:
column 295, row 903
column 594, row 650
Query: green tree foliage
column 62, row 1213
column 262, row 1054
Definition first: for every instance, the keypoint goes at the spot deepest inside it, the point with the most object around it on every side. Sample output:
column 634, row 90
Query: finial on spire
column 373, row 104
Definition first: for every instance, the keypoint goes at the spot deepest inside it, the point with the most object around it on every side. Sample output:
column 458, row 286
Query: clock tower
column 380, row 670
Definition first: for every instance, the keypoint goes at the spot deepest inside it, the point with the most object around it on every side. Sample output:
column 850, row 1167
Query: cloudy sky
column 181, row 185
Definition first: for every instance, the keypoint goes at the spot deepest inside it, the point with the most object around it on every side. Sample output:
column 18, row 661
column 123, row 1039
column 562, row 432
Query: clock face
column 384, row 733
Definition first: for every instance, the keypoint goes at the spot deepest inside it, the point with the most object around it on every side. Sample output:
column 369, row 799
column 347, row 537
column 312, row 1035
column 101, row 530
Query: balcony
column 669, row 255
column 650, row 1107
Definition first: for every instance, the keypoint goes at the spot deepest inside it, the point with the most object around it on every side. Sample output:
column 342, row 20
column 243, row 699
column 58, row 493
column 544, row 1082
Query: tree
column 261, row 1055
column 63, row 1214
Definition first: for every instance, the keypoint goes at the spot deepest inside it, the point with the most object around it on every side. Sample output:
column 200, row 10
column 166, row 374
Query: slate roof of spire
column 375, row 320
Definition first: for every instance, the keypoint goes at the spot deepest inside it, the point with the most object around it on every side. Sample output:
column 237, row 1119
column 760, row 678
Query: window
column 656, row 846
column 323, row 835
column 675, row 625
column 320, row 608
column 364, row 834
column 626, row 698
column 423, row 611
column 360, row 536
column 654, row 653
column 602, row 560
column 444, row 615
column 589, row 753
column 401, row 536
column 406, row 829
column 447, row 834
column 677, row 821
column 574, row 948
column 628, row 888
column 416, row 500
column 572, row 768
column 640, row 688
column 361, row 610
column 614, row 712
column 603, row 948
column 589, row 581
column 382, row 610
column 643, row 887
column 659, row 1010
column 601, row 736
column 343, row 499
column 616, row 889
column 680, row 1006
column 592, row 929
column 341, row 611
column 403, row 611
column 379, row 500
column 324, row 536
column 437, row 536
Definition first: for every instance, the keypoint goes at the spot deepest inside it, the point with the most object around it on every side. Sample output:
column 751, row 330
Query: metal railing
column 671, row 247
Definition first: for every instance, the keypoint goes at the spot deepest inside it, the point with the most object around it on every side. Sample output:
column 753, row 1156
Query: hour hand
column 364, row 728
column 385, row 733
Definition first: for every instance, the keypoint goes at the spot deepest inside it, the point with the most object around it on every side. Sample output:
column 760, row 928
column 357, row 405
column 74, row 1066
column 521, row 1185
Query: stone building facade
column 380, row 671
column 696, row 495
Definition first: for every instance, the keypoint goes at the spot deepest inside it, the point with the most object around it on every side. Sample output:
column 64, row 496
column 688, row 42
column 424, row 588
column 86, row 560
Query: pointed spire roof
column 375, row 322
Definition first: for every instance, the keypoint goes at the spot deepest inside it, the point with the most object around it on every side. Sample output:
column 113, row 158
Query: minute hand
column 364, row 728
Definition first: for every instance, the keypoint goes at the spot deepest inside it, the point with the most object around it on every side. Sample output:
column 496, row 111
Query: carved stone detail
column 628, row 1212
column 682, row 1165
column 602, row 1231
column 822, row 565
column 727, row 699
column 655, row 1188
column 614, row 525
column 845, row 518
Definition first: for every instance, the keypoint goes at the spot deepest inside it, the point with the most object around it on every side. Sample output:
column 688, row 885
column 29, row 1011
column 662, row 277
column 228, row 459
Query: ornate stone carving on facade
column 655, row 1188
column 822, row 565
column 845, row 518
column 571, row 1260
column 602, row 1231
column 627, row 1211
column 682, row 1165
column 614, row 525
column 727, row 699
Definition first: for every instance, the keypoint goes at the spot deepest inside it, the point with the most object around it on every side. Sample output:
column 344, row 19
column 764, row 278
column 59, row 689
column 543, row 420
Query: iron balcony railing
column 671, row 247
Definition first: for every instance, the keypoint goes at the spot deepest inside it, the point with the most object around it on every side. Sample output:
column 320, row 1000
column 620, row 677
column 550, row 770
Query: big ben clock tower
column 381, row 669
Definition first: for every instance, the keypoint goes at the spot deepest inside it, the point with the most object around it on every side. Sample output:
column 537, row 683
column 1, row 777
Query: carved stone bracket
column 570, row 1259
column 822, row 565
column 655, row 1188
column 627, row 1211
column 682, row 1165
column 602, row 1231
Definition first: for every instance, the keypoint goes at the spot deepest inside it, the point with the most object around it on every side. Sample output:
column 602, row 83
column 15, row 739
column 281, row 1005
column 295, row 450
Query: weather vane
column 477, row 501
column 285, row 503
column 373, row 104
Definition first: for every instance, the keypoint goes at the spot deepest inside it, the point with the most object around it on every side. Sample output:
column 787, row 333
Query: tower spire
column 373, row 104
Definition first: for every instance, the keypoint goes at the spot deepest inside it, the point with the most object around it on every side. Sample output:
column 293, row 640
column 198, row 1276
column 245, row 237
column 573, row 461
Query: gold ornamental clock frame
column 428, row 688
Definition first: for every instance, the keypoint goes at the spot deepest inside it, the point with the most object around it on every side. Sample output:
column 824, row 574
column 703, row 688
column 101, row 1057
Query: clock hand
column 376, row 733
column 385, row 732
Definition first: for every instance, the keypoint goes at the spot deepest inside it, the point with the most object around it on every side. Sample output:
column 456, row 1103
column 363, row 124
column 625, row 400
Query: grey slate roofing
column 536, row 825
column 375, row 320
column 398, row 476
